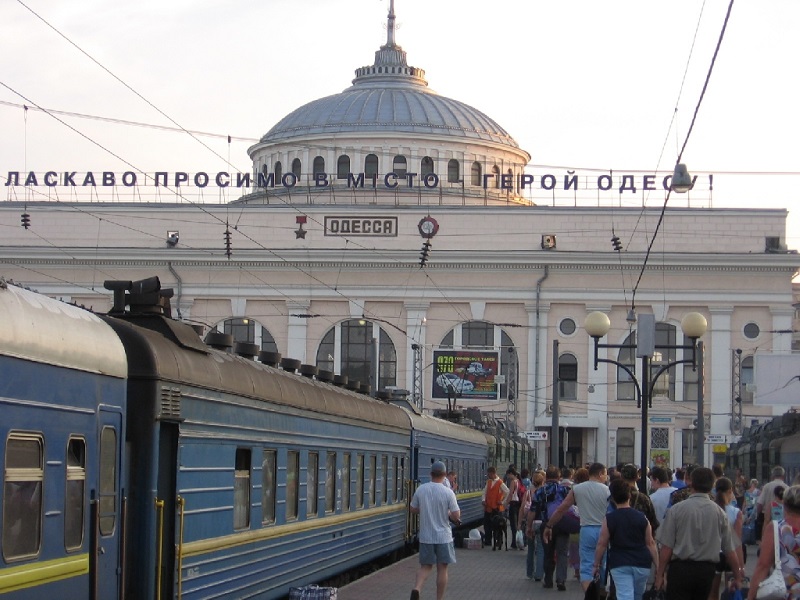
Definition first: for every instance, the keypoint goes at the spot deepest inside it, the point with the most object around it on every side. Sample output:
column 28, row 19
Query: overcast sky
column 589, row 85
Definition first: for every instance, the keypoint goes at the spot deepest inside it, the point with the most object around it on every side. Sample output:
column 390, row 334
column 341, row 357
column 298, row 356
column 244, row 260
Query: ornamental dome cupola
column 387, row 114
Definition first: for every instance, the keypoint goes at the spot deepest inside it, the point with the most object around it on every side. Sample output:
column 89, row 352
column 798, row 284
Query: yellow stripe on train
column 269, row 532
column 40, row 573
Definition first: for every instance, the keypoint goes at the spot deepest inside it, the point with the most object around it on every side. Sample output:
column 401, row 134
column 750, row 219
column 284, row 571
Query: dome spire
column 390, row 26
column 390, row 66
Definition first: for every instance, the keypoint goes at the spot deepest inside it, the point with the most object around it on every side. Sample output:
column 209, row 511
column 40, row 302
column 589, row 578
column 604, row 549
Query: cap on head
column 438, row 468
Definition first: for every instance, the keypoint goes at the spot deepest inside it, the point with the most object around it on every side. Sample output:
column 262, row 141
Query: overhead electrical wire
column 680, row 154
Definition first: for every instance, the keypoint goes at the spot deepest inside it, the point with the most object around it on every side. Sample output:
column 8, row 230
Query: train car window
column 346, row 481
column 385, row 475
column 22, row 496
column 312, row 477
column 373, row 479
column 74, row 499
column 360, row 481
column 268, row 486
column 241, row 489
column 108, row 480
column 396, row 486
column 292, row 484
column 401, row 480
column 330, row 483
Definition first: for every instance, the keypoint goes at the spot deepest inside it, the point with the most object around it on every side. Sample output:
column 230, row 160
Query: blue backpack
column 554, row 495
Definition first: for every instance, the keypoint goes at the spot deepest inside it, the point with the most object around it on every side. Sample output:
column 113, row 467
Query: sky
column 587, row 85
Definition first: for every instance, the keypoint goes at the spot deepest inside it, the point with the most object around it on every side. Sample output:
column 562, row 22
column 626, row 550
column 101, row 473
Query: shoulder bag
column 773, row 587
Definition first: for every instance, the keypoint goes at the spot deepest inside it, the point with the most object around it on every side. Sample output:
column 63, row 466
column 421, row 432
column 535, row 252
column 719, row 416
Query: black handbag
column 654, row 594
column 593, row 591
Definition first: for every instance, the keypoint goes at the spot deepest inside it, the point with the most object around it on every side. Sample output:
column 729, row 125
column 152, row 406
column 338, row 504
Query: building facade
column 388, row 236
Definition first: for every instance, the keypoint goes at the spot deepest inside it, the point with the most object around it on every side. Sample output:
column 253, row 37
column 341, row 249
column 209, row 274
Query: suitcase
column 313, row 592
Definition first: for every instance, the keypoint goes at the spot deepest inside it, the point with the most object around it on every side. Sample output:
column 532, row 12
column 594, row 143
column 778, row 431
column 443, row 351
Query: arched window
column 485, row 335
column 350, row 345
column 510, row 174
column 343, row 167
column 475, row 175
column 248, row 330
column 296, row 168
column 426, row 167
column 496, row 173
column 664, row 386
column 747, row 378
column 399, row 165
column 453, row 171
column 567, row 377
column 319, row 165
column 278, row 172
column 371, row 165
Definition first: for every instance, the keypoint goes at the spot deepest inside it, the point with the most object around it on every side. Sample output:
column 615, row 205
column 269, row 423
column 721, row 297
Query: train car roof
column 430, row 424
column 37, row 328
column 171, row 351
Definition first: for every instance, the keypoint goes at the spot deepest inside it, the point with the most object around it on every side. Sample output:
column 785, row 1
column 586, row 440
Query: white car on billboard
column 451, row 381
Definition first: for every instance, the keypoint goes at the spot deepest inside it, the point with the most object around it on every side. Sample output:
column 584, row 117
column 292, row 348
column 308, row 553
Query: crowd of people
column 686, row 535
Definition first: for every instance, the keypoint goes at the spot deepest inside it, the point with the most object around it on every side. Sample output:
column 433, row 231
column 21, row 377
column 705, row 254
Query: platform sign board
column 536, row 436
column 715, row 438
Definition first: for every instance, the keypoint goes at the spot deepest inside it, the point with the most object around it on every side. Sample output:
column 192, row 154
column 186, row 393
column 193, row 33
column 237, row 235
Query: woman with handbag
column 725, row 500
column 781, row 554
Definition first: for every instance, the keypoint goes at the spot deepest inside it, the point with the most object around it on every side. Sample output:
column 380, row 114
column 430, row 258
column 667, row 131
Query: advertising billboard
column 468, row 373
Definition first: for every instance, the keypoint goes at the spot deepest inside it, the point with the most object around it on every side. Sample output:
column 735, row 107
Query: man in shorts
column 437, row 506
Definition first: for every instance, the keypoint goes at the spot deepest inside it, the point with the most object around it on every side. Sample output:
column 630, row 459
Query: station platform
column 479, row 574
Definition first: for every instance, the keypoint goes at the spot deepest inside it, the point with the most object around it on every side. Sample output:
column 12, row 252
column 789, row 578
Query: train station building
column 397, row 236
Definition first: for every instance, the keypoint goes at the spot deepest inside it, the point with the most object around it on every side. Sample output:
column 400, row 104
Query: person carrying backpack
column 592, row 498
column 556, row 541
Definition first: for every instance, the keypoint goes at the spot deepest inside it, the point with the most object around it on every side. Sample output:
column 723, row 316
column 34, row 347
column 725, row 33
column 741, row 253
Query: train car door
column 107, row 519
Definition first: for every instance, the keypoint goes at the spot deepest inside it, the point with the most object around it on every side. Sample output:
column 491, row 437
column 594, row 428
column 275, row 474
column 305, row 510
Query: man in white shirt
column 659, row 483
column 436, row 505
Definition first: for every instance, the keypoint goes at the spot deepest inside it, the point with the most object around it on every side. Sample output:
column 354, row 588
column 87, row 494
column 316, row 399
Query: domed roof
column 389, row 96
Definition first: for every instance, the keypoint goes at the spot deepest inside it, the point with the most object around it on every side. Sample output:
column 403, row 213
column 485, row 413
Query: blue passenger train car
column 141, row 463
column 62, row 400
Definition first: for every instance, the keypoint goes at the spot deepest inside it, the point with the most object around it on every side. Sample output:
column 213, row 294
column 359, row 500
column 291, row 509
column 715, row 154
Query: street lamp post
column 693, row 325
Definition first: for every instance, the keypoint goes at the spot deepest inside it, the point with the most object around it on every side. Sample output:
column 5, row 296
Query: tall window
column 496, row 178
column 319, row 165
column 475, row 174
column 666, row 335
column 453, row 171
column 398, row 480
column 385, row 476
column 747, row 378
column 292, row 484
column 278, row 172
column 373, row 479
column 371, row 165
column 249, row 330
column 312, row 476
column 330, row 482
column 626, row 388
column 296, row 168
column 625, row 445
column 74, row 500
column 426, row 166
column 108, row 480
column 360, row 481
column 351, row 344
column 241, row 489
column 400, row 166
column 568, row 377
column 346, row 475
column 268, row 485
column 481, row 334
column 22, row 496
column 343, row 167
